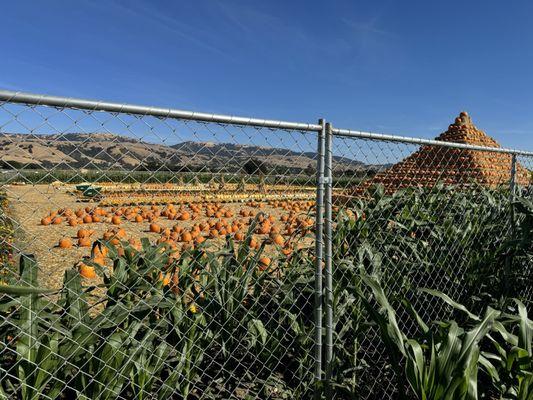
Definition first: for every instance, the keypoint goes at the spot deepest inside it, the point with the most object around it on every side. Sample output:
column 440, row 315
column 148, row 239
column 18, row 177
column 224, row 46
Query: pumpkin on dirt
column 254, row 244
column 99, row 260
column 277, row 239
column 83, row 233
column 65, row 243
column 154, row 228
column 186, row 237
column 185, row 216
column 287, row 251
column 46, row 221
column 84, row 242
column 100, row 251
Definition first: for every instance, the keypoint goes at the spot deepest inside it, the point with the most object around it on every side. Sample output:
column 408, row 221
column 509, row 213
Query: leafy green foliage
column 456, row 241
column 225, row 327
column 442, row 363
column 443, row 360
column 222, row 318
column 511, row 355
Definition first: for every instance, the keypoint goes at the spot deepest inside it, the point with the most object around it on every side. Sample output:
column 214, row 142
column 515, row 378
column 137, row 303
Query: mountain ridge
column 104, row 150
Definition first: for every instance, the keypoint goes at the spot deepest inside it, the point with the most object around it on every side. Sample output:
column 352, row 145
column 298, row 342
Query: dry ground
column 28, row 204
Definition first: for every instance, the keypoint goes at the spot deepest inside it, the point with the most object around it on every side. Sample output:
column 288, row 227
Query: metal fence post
column 328, row 258
column 512, row 183
column 512, row 187
column 319, row 243
column 512, row 190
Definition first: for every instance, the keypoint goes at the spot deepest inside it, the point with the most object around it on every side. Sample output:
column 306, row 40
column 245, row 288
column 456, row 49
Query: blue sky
column 401, row 67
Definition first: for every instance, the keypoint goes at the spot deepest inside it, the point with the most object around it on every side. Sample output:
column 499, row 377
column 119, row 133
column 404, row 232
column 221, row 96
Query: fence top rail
column 429, row 142
column 92, row 105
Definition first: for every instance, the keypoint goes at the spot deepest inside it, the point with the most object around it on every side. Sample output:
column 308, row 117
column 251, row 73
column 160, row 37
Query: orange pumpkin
column 82, row 233
column 186, row 237
column 99, row 260
column 277, row 239
column 84, row 242
column 87, row 271
column 287, row 251
column 65, row 243
column 46, row 221
column 199, row 239
column 264, row 263
column 100, row 251
column 155, row 228
column 254, row 243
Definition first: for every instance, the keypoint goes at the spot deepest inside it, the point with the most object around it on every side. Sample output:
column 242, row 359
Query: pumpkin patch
column 185, row 221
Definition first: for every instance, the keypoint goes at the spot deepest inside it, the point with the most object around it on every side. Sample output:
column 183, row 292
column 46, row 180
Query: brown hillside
column 106, row 151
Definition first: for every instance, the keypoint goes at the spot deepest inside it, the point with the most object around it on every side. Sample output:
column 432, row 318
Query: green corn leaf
column 15, row 290
column 451, row 302
column 258, row 331
column 28, row 342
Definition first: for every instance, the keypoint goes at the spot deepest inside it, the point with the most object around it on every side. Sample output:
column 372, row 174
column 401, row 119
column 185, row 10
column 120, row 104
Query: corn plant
column 254, row 312
column 32, row 350
column 413, row 233
column 510, row 356
column 441, row 364
column 163, row 335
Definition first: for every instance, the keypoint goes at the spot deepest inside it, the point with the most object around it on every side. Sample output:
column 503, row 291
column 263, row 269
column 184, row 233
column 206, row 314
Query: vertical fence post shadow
column 328, row 259
column 319, row 243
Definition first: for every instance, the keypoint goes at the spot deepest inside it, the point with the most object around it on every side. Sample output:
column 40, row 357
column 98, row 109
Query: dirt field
column 29, row 204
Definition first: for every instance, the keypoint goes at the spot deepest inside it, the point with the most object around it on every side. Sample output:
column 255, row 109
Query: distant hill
column 110, row 151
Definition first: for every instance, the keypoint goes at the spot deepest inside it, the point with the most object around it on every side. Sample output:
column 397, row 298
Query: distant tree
column 310, row 169
column 254, row 166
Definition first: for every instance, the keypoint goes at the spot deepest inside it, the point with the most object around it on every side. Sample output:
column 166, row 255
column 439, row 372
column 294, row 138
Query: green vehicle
column 88, row 190
column 83, row 187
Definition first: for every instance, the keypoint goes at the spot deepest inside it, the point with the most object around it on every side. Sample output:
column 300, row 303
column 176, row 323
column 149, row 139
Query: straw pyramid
column 462, row 167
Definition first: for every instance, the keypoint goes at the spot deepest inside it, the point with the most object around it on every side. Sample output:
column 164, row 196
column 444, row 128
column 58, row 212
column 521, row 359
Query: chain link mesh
column 422, row 216
column 149, row 256
column 175, row 256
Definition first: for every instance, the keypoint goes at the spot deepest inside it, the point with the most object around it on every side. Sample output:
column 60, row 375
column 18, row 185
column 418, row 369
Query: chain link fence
column 434, row 215
column 158, row 253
